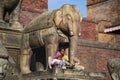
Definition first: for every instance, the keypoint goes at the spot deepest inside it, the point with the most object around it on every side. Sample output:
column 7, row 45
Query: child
column 58, row 60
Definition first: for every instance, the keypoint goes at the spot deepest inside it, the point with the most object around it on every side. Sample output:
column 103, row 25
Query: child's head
column 62, row 50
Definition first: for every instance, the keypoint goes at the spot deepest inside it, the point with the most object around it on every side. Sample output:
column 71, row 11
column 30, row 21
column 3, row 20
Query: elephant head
column 68, row 19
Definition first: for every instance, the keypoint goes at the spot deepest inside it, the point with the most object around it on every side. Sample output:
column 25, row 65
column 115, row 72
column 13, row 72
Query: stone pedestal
column 11, row 39
column 67, row 74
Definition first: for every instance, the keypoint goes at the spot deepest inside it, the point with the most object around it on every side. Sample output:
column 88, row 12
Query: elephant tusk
column 71, row 33
column 79, row 34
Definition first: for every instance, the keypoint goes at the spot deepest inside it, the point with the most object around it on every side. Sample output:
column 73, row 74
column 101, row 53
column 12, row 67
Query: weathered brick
column 91, row 2
column 106, row 38
column 95, row 59
column 88, row 30
column 32, row 8
column 106, row 10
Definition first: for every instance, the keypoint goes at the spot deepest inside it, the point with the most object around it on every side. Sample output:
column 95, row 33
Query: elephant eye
column 69, row 18
column 60, row 16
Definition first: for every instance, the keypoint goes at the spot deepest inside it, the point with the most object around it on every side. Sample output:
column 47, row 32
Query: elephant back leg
column 26, row 53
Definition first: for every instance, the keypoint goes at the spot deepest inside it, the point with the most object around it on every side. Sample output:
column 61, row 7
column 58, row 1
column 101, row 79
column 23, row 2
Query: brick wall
column 106, row 14
column 94, row 48
column 88, row 30
column 31, row 9
column 104, row 10
column 92, row 2
column 94, row 55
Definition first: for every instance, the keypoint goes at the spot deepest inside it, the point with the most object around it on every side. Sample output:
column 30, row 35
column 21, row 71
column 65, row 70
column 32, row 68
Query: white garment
column 56, row 60
column 60, row 62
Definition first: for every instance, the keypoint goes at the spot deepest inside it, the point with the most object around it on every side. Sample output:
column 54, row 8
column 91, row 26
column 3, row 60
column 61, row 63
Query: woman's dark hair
column 61, row 49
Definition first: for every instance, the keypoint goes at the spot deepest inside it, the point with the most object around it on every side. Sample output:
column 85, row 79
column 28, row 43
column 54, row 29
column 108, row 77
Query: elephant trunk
column 71, row 32
column 70, row 29
column 73, row 48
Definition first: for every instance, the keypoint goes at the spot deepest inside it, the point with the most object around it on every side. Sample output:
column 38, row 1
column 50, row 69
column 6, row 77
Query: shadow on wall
column 38, row 59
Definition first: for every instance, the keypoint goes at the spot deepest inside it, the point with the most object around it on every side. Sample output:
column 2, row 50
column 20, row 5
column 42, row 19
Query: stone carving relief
column 114, row 68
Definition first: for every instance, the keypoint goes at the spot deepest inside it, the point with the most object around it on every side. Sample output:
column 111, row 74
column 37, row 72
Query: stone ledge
column 66, row 74
column 96, row 44
column 11, row 78
column 92, row 2
column 8, row 28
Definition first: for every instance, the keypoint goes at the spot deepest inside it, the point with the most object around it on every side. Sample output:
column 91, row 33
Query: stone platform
column 64, row 75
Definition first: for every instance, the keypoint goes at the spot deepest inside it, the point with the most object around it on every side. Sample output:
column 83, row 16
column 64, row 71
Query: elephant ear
column 58, row 17
column 77, row 9
column 81, row 18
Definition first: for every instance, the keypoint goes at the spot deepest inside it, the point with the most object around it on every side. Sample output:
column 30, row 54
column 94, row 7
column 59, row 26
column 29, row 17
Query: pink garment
column 49, row 62
column 58, row 54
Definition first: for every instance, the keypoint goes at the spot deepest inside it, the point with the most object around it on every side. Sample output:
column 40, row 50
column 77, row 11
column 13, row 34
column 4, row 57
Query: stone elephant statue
column 114, row 68
column 12, row 8
column 49, row 29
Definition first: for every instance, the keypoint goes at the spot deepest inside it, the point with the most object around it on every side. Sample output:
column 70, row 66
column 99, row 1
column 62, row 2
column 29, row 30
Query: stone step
column 64, row 75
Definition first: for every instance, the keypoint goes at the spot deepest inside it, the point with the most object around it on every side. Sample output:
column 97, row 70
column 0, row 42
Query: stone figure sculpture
column 114, row 68
column 12, row 8
column 7, row 65
column 49, row 29
column 3, row 61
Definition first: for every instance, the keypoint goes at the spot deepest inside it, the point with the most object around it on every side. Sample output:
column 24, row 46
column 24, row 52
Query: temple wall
column 94, row 55
column 88, row 30
column 104, row 10
column 31, row 9
column 94, row 48
column 105, row 13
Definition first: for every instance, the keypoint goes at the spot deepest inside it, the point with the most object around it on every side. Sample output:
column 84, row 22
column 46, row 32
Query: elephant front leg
column 51, row 50
column 25, row 61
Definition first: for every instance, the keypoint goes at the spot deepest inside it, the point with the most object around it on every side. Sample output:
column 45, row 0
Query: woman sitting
column 59, row 60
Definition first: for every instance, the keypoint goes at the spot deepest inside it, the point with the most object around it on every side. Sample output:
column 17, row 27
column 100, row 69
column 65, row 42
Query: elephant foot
column 25, row 71
column 79, row 67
